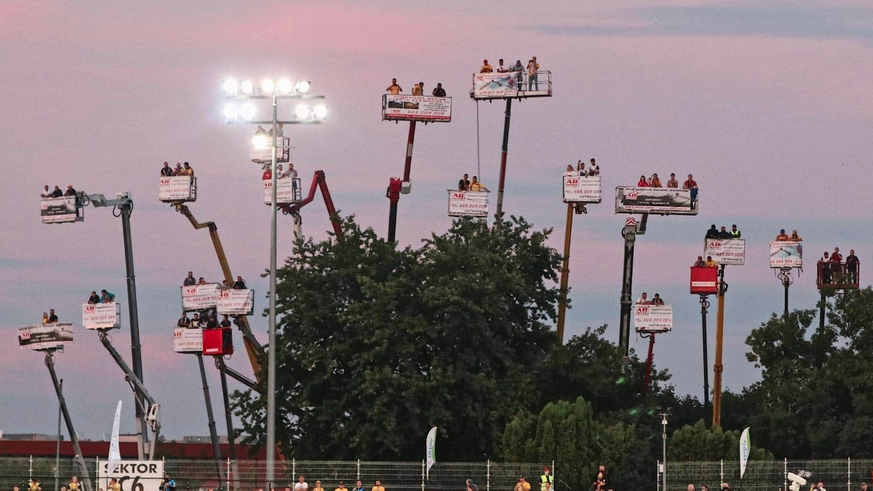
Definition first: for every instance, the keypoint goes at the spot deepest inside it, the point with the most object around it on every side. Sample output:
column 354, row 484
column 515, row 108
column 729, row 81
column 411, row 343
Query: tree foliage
column 697, row 442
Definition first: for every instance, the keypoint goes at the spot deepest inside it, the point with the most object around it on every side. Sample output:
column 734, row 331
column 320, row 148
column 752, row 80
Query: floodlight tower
column 245, row 114
column 508, row 86
column 412, row 108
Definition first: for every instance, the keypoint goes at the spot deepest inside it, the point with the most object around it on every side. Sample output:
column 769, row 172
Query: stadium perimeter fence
column 766, row 475
column 249, row 475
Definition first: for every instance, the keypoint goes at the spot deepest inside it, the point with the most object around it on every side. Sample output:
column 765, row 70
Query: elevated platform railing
column 472, row 204
column 64, row 209
column 177, row 189
column 511, row 85
column 837, row 276
column 287, row 191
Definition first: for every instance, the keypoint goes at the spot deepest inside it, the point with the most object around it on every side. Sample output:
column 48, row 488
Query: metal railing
column 838, row 275
column 772, row 475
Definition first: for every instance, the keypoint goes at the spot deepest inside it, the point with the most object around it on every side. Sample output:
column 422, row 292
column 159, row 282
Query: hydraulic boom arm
column 319, row 182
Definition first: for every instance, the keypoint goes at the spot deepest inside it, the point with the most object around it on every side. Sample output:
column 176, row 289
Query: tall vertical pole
column 821, row 311
column 649, row 361
column 787, row 284
column 664, row 449
column 505, row 149
column 74, row 438
column 704, row 309
column 213, row 433
column 407, row 166
column 228, row 416
column 719, row 345
column 135, row 348
column 629, row 233
column 58, row 447
column 565, row 274
column 392, row 219
column 271, row 354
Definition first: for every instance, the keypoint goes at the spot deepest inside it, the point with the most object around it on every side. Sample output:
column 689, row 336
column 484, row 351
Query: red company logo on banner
column 89, row 309
column 459, row 196
column 642, row 310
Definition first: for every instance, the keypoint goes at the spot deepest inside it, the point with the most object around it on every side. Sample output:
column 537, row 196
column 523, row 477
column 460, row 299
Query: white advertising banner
column 653, row 318
column 582, row 189
column 468, row 203
column 287, row 190
column 786, row 254
column 187, row 340
column 730, row 252
column 101, row 315
column 265, row 155
column 58, row 210
column 132, row 475
column 236, row 302
column 45, row 336
column 416, row 108
column 199, row 297
column 664, row 201
column 496, row 85
column 178, row 188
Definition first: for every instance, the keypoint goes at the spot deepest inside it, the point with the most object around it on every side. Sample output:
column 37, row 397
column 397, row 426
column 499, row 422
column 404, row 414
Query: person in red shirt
column 837, row 259
column 268, row 174
column 690, row 183
column 643, row 183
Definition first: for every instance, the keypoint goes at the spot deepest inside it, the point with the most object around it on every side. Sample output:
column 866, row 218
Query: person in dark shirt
column 464, row 183
column 94, row 298
column 699, row 263
column 852, row 266
column 439, row 91
column 712, row 233
column 189, row 281
column 166, row 170
column 212, row 323
column 106, row 297
column 723, row 233
column 239, row 284
column 824, row 265
column 657, row 300
column 195, row 320
column 70, row 191
column 52, row 317
column 225, row 322
column 57, row 193
column 184, row 321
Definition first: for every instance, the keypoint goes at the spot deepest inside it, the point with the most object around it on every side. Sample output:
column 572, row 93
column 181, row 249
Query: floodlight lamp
column 286, row 86
column 303, row 86
column 230, row 86
column 247, row 87
column 247, row 111
column 259, row 141
column 320, row 111
column 268, row 86
column 302, row 111
column 230, row 112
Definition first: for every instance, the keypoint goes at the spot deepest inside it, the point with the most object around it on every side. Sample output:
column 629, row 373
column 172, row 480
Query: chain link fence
column 249, row 475
column 836, row 475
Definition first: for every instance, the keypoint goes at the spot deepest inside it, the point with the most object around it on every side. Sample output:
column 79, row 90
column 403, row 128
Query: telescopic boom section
column 318, row 182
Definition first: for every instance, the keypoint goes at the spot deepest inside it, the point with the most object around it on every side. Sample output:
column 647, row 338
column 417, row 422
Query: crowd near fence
column 767, row 475
column 249, row 475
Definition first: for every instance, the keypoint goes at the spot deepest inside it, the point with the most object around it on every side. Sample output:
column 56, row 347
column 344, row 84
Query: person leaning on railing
column 477, row 186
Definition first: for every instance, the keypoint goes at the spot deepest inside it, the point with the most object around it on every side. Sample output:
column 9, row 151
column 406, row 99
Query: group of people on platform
column 49, row 317
column 654, row 181
column 417, row 89
column 645, row 300
column 464, row 184
column 783, row 237
column 180, row 170
column 709, row 263
column 57, row 192
column 714, row 233
column 239, row 284
column 280, row 173
column 532, row 69
column 206, row 321
column 581, row 171
column 104, row 297
column 832, row 269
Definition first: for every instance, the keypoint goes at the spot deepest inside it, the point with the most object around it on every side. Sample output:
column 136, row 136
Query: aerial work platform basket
column 581, row 189
column 65, row 209
column 287, row 191
column 511, row 85
column 470, row 204
column 425, row 109
column 655, row 201
column 175, row 189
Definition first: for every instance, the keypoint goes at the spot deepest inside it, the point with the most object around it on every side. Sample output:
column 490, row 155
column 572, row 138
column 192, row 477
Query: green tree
column 697, row 442
column 377, row 344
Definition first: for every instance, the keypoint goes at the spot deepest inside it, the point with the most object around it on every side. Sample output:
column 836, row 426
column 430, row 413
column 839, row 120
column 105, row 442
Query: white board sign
column 653, row 318
column 101, row 315
column 633, row 199
column 582, row 189
column 132, row 475
column 730, row 252
column 187, row 340
column 786, row 254
column 287, row 190
column 236, row 302
column 416, row 108
column 178, row 188
column 45, row 336
column 265, row 155
column 199, row 297
column 468, row 203
column 58, row 210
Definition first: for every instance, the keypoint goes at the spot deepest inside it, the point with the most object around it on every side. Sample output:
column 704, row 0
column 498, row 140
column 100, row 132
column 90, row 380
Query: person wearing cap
column 341, row 487
column 546, row 479
column 782, row 236
column 486, row 68
column 70, row 191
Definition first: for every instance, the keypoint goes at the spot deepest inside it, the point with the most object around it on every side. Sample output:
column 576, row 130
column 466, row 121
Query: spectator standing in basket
column 184, row 321
column 57, row 193
column 672, row 182
column 70, row 191
column 189, row 280
column 657, row 300
column 195, row 320
column 852, row 266
column 710, row 263
column 394, row 89
column 580, row 168
column 416, row 89
column 519, row 73
column 166, row 170
column 500, row 67
column 225, row 321
column 571, row 171
column 52, row 317
column 656, row 181
column 593, row 169
column 476, row 185
column 532, row 69
column 177, row 171
column 782, row 236
column 439, row 91
column 201, row 281
column 824, row 265
column 106, row 297
column 794, row 237
column 94, row 298
column 47, row 193
column 735, row 232
column 301, row 484
column 212, row 323
column 187, row 170
column 378, row 486
column 700, row 263
column 45, row 318
column 689, row 183
column 486, row 68
column 642, row 182
column 268, row 173
column 723, row 233
column 239, row 284
column 644, row 299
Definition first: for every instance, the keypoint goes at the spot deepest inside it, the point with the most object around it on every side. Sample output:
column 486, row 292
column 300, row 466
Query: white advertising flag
column 114, row 452
column 430, row 449
column 745, row 448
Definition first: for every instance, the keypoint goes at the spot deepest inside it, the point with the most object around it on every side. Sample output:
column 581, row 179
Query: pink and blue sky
column 767, row 103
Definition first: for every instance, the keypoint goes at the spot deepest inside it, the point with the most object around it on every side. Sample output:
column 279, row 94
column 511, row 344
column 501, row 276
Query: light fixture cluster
column 267, row 87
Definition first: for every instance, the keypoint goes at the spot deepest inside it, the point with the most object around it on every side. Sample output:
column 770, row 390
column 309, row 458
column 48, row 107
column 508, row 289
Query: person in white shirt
column 571, row 171
column 301, row 484
column 500, row 67
column 643, row 300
